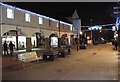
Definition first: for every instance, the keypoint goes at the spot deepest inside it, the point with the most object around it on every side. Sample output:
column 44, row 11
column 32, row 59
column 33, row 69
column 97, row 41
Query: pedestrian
column 116, row 44
column 11, row 46
column 5, row 48
column 23, row 46
column 113, row 42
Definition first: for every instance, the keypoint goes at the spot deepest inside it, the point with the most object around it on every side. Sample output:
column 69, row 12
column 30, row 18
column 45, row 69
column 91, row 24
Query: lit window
column 71, row 28
column 57, row 24
column 40, row 20
column 10, row 13
column 27, row 17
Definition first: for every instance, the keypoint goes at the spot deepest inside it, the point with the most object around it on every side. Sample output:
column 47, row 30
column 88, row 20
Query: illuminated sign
column 118, row 23
column 95, row 28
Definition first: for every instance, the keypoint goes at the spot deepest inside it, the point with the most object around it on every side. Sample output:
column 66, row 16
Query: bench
column 28, row 57
column 63, row 52
column 50, row 55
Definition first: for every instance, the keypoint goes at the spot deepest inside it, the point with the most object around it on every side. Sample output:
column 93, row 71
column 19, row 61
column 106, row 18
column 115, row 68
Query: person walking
column 116, row 44
column 11, row 46
column 5, row 48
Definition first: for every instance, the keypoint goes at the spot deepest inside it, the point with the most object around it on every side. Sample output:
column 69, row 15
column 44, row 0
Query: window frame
column 29, row 17
column 40, row 22
column 10, row 15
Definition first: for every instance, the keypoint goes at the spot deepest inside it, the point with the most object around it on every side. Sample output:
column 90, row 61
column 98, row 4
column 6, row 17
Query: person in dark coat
column 113, row 42
column 116, row 44
column 5, row 48
column 11, row 46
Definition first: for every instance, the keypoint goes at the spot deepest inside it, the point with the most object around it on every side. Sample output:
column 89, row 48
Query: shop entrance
column 38, row 40
column 18, row 40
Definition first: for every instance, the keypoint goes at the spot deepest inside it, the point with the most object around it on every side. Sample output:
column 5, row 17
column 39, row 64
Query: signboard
column 118, row 23
column 77, row 26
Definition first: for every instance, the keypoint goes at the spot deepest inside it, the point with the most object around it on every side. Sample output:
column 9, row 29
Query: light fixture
column 81, row 33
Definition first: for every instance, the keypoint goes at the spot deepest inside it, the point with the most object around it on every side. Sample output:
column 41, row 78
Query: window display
column 54, row 42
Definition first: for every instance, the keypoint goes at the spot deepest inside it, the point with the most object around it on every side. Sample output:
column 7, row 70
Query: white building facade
column 22, row 26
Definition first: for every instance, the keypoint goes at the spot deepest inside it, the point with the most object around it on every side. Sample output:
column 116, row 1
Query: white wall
column 28, row 28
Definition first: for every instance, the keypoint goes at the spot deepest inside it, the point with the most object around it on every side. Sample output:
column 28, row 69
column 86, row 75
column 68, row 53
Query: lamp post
column 91, row 31
column 59, row 41
column 77, row 41
column 77, row 26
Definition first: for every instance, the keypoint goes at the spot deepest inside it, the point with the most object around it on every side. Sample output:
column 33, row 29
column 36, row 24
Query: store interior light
column 89, row 28
column 81, row 33
column 88, row 37
column 113, row 28
column 116, row 35
column 100, row 27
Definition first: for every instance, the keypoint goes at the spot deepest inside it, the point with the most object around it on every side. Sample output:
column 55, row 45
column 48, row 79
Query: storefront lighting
column 117, row 23
column 100, row 27
column 81, row 33
column 116, row 35
column 88, row 37
column 54, row 41
column 95, row 28
column 89, row 28
column 113, row 28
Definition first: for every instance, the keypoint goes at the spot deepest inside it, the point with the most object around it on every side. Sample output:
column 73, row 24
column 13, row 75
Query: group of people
column 7, row 47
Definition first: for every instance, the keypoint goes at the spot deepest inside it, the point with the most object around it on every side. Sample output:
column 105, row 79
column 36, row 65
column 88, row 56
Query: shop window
column 27, row 17
column 40, row 20
column 10, row 13
column 54, row 41
column 71, row 28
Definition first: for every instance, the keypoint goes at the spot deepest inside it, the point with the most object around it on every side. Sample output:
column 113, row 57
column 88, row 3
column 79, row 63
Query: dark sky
column 100, row 12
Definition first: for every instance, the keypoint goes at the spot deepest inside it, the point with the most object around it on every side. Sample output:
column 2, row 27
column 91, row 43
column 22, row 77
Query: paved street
column 98, row 62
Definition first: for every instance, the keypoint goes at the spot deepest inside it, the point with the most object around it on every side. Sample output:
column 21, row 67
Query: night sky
column 99, row 12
